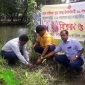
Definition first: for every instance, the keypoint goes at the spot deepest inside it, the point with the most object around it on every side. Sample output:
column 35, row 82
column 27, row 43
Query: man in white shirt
column 15, row 49
column 35, row 17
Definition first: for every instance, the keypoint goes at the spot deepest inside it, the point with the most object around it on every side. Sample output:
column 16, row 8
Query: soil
column 58, row 74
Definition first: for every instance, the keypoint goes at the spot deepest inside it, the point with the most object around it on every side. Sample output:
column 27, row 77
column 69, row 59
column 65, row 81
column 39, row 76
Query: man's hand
column 73, row 58
column 30, row 64
column 33, row 46
column 39, row 60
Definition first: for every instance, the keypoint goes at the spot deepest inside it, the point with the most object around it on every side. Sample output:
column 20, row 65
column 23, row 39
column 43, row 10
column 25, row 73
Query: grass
column 47, row 73
column 23, row 74
column 44, row 74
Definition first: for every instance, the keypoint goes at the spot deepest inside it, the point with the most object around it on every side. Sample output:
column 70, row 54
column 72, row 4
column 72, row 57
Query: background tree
column 16, row 10
column 48, row 2
column 23, row 7
column 9, row 8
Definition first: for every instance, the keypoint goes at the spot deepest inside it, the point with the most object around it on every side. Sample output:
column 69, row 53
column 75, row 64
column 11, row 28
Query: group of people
column 45, row 44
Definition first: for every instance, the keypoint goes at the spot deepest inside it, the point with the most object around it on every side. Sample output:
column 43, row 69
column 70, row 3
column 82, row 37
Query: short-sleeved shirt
column 71, row 48
column 45, row 40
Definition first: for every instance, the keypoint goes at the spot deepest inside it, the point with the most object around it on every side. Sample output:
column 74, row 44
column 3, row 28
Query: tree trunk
column 23, row 15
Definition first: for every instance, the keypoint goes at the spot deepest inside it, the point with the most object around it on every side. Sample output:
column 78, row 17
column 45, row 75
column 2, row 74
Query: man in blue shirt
column 73, row 56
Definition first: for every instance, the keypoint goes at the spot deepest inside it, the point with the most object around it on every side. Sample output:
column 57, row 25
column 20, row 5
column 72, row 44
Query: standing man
column 73, row 57
column 36, row 19
column 44, row 42
column 35, row 15
column 15, row 49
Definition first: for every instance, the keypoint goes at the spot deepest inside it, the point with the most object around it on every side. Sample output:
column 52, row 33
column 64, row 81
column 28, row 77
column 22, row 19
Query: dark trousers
column 39, row 49
column 10, row 56
column 76, row 64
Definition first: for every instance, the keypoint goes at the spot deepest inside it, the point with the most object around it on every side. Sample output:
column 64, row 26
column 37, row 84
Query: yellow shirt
column 45, row 40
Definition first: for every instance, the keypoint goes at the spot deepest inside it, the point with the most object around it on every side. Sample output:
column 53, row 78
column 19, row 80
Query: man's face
column 23, row 43
column 64, row 36
column 41, row 33
column 34, row 5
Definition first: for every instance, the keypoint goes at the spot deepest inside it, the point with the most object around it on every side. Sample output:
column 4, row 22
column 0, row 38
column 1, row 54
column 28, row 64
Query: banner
column 69, row 17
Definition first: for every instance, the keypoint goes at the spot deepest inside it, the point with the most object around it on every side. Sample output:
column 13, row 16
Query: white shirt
column 13, row 45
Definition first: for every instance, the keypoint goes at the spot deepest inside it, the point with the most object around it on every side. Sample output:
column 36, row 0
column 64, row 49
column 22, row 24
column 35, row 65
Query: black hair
column 64, row 31
column 23, row 38
column 39, row 28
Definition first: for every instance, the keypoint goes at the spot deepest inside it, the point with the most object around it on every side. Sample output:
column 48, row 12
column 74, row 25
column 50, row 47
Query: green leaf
column 8, row 77
column 1, row 76
column 26, row 74
column 43, row 60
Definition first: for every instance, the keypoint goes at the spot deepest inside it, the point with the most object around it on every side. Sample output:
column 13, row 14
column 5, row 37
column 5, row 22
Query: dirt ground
column 76, row 81
column 53, row 72
column 59, row 75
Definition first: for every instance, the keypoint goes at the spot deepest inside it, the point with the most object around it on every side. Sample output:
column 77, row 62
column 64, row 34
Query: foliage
column 9, row 7
column 30, row 24
column 38, row 75
column 9, row 74
column 23, row 7
column 14, row 9
column 34, row 78
column 48, row 2
column 47, row 73
column 8, row 77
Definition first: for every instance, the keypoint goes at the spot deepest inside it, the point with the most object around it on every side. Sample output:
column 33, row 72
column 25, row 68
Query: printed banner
column 69, row 17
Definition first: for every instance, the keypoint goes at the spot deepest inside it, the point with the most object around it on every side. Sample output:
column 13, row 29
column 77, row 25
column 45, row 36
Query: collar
column 45, row 33
column 68, row 40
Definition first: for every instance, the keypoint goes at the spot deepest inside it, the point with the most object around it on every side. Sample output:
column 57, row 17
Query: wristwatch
column 76, row 56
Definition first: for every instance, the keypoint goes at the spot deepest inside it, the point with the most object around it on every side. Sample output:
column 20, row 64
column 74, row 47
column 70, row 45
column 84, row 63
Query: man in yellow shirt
column 44, row 42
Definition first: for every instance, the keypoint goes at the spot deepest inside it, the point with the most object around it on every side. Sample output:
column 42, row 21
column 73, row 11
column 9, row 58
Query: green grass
column 44, row 74
column 48, row 73
column 20, row 73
